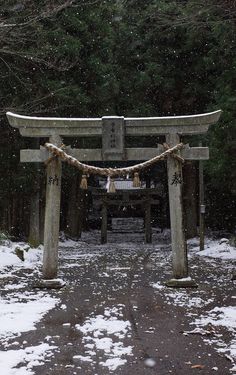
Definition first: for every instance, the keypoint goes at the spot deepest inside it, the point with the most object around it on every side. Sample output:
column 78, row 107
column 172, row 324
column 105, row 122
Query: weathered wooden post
column 52, row 214
column 179, row 249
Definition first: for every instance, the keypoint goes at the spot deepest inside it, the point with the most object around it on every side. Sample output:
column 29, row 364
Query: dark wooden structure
column 142, row 199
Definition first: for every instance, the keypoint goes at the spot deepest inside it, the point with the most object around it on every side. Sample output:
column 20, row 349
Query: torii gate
column 113, row 131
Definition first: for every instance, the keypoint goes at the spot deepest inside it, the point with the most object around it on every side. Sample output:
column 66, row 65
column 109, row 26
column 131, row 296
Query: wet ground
column 122, row 284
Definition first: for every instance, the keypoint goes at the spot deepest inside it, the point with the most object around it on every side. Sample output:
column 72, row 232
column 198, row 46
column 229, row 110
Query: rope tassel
column 136, row 180
column 84, row 183
column 110, row 186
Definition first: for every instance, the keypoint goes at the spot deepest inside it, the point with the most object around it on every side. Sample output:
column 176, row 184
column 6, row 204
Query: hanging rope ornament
column 114, row 171
column 110, row 186
column 136, row 180
column 58, row 152
column 84, row 182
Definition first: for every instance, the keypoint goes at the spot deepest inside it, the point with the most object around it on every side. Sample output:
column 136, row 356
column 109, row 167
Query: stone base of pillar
column 50, row 284
column 181, row 283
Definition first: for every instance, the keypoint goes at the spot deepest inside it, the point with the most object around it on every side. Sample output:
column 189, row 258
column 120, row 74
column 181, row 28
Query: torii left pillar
column 52, row 214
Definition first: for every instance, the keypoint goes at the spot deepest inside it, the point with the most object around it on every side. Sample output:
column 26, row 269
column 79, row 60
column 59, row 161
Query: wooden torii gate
column 113, row 131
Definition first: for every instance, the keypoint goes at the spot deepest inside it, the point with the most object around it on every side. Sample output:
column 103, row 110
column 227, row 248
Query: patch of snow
column 183, row 279
column 113, row 363
column 184, row 299
column 105, row 274
column 17, row 315
column 100, row 324
column 157, row 285
column 220, row 249
column 118, row 268
column 78, row 358
column 224, row 240
column 15, row 286
column 68, row 243
column 103, row 333
column 8, row 257
column 33, row 256
column 221, row 317
column 28, row 357
column 193, row 241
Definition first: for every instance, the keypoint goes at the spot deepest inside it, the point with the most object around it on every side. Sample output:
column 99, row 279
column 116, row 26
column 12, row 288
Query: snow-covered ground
column 97, row 331
column 221, row 255
column 22, row 307
column 220, row 316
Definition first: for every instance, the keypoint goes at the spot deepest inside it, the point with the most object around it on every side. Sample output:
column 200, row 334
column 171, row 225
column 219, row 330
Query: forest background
column 124, row 57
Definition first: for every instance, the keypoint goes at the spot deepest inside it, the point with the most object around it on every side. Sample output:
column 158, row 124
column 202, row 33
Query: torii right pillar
column 178, row 242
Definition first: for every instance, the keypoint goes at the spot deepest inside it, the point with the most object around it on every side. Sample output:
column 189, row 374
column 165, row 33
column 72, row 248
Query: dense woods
column 131, row 58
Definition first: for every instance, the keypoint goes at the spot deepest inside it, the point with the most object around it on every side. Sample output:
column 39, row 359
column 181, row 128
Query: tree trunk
column 73, row 217
column 34, row 223
column 190, row 199
column 34, row 229
column 77, row 215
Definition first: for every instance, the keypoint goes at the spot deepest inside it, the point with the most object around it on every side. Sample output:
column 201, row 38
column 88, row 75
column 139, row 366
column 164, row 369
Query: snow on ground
column 224, row 316
column 221, row 317
column 9, row 258
column 30, row 356
column 20, row 311
column 106, row 333
column 218, row 249
column 192, row 301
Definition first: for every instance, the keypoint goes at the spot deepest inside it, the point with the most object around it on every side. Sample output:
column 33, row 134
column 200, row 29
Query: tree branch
column 44, row 15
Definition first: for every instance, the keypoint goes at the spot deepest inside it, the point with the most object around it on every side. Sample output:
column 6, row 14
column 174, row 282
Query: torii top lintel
column 72, row 127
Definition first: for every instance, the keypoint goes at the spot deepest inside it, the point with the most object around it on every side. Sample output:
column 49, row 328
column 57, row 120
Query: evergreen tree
column 131, row 58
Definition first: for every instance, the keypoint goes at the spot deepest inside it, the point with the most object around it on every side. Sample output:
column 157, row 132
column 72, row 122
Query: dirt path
column 112, row 286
